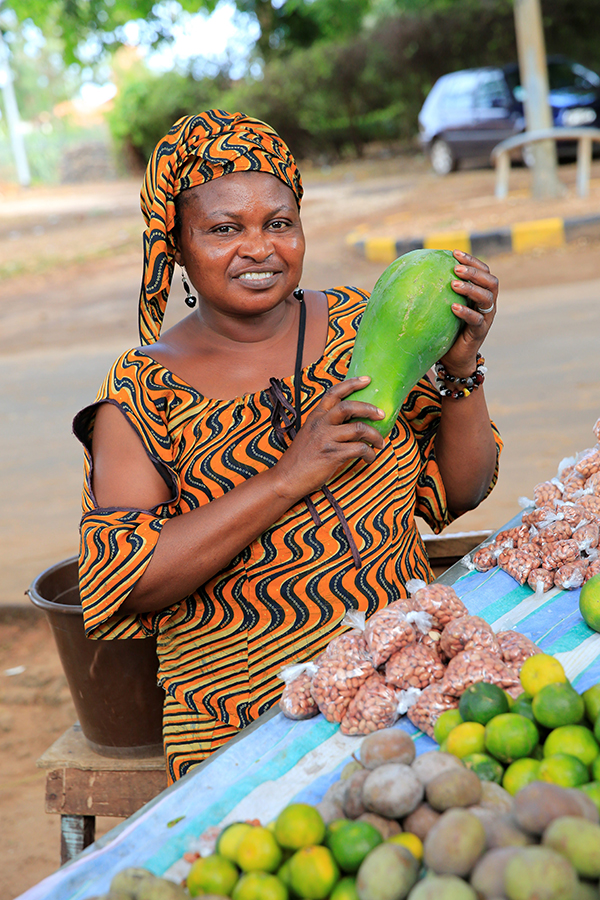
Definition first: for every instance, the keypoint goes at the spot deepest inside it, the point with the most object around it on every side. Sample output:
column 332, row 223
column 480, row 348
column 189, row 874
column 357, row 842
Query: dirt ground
column 70, row 262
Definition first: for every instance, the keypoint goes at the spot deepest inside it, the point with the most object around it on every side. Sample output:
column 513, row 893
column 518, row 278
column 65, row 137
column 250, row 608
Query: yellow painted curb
column 448, row 240
column 541, row 233
column 382, row 250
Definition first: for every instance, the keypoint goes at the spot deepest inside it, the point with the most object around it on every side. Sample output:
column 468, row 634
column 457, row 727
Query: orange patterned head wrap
column 195, row 150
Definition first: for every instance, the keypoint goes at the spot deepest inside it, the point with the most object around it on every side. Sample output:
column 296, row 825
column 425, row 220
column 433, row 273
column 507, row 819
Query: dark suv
column 467, row 113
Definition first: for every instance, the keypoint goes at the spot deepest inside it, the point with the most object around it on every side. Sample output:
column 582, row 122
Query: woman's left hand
column 476, row 283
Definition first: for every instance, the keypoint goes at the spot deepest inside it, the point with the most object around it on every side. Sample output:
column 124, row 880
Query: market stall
column 277, row 760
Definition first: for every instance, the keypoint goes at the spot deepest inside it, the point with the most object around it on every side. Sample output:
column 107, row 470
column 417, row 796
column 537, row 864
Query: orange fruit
column 411, row 841
column 576, row 740
column 444, row 724
column 229, row 840
column 468, row 737
column 259, row 851
column 299, row 825
column 345, row 889
column 589, row 602
column 591, row 698
column 564, row 770
column 558, row 704
column 485, row 767
column 481, row 702
column 211, row 875
column 540, row 670
column 351, row 842
column 519, row 773
column 313, row 872
column 592, row 789
column 510, row 736
column 259, row 886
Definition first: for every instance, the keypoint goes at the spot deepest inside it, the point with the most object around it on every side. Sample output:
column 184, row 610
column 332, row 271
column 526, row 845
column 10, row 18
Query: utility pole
column 534, row 79
column 12, row 116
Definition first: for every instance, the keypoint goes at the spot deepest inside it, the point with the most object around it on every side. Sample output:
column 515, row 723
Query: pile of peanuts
column 416, row 656
column 557, row 543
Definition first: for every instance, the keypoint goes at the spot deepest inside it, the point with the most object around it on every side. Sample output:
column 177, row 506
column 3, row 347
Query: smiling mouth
column 256, row 276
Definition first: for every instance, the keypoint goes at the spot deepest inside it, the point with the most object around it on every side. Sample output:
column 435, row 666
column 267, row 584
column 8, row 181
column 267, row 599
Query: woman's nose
column 256, row 244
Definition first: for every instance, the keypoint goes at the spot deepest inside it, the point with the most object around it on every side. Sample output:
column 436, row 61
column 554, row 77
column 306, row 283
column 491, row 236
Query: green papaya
column 408, row 324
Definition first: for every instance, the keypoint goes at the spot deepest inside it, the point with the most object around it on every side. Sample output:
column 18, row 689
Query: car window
column 562, row 76
column 491, row 91
column 459, row 92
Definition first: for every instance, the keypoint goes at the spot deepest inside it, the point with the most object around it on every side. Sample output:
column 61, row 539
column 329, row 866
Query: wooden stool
column 81, row 785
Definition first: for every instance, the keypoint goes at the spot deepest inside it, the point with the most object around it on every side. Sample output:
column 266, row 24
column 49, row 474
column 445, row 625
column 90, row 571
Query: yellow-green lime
column 331, row 828
column 589, row 602
column 444, row 724
column 596, row 769
column 520, row 773
column 510, row 736
column 351, row 842
column 538, row 671
column 259, row 851
column 345, row 889
column 480, row 702
column 592, row 789
column 591, row 698
column 412, row 842
column 259, row 886
column 299, row 825
column 283, row 873
column 313, row 872
column 485, row 766
column 212, row 875
column 564, row 770
column 558, row 704
column 468, row 737
column 576, row 740
column 597, row 729
column 229, row 840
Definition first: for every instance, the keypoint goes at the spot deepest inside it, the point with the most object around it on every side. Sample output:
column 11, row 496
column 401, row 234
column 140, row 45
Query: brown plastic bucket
column 113, row 683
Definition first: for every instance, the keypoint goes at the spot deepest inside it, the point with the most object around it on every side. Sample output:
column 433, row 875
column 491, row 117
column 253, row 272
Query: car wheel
column 443, row 160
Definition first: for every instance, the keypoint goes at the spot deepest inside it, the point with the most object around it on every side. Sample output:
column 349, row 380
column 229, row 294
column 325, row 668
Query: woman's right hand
column 331, row 436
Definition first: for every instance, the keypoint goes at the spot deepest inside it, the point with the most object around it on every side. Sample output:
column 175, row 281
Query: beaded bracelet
column 464, row 386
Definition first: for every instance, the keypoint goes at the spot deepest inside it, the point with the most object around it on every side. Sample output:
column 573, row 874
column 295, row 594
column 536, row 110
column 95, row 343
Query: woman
column 233, row 505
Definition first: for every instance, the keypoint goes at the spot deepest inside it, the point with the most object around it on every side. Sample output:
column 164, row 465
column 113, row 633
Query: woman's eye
column 223, row 229
column 278, row 224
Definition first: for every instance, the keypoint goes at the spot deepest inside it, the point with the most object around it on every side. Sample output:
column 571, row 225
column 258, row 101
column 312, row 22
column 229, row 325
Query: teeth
column 256, row 276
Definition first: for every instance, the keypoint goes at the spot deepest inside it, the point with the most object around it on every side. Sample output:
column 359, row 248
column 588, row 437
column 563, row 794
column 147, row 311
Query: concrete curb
column 520, row 238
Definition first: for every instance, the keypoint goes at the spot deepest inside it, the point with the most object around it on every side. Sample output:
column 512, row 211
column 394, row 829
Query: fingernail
column 457, row 306
column 460, row 268
column 364, row 378
column 456, row 284
column 380, row 413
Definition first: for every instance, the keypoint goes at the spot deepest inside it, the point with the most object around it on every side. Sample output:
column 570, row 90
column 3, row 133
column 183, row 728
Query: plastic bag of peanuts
column 429, row 707
column 297, row 701
column 515, row 648
column 373, row 707
column 416, row 666
column 467, row 633
column 471, row 666
column 336, row 682
column 519, row 563
column 541, row 580
column 439, row 600
column 389, row 630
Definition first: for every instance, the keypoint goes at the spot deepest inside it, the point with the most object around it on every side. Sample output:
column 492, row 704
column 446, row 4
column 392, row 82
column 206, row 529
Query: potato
column 421, row 820
column 488, row 875
column 388, row 745
column 428, row 765
column 454, row 787
column 386, row 827
column 352, row 802
column 392, row 790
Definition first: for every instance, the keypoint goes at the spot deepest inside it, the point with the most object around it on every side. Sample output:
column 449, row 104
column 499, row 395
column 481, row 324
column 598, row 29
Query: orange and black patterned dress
column 282, row 599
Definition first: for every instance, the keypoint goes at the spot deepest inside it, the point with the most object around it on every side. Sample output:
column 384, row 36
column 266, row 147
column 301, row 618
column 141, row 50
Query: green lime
column 229, row 840
column 558, row 704
column 345, row 889
column 299, row 825
column 597, row 729
column 485, row 766
column 468, row 737
column 313, row 872
column 564, row 770
column 519, row 773
column 211, row 875
column 259, row 886
column 444, row 724
column 596, row 768
column 351, row 842
column 510, row 736
column 589, row 602
column 522, row 706
column 481, row 702
column 331, row 828
column 591, row 698
column 576, row 740
column 592, row 789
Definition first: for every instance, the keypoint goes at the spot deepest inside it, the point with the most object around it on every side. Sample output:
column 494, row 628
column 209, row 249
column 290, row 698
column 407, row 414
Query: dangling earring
column 190, row 300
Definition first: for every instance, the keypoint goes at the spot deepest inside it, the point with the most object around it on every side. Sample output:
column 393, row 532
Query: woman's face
column 241, row 242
